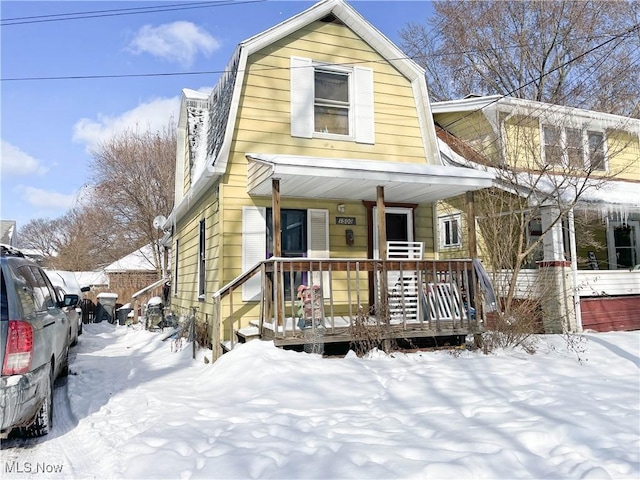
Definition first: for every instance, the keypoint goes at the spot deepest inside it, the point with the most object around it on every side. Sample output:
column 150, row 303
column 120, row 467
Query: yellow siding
column 187, row 234
column 472, row 127
column 264, row 123
column 522, row 142
column 623, row 152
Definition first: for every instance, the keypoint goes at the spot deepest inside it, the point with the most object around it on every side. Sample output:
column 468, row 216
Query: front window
column 574, row 148
column 596, row 150
column 624, row 244
column 331, row 102
column 175, row 271
column 293, row 238
column 552, row 145
column 450, row 231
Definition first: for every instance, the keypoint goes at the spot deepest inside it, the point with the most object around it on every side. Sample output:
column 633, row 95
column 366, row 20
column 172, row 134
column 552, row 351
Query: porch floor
column 340, row 332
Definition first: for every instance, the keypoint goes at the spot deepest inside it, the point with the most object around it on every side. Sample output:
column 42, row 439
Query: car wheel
column 44, row 419
column 64, row 369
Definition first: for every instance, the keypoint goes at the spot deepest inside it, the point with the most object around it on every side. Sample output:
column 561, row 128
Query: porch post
column 471, row 224
column 556, row 279
column 275, row 210
column 382, row 223
column 574, row 269
column 277, row 247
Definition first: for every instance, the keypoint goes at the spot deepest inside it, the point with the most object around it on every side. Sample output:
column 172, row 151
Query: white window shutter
column 302, row 97
column 364, row 121
column 318, row 243
column 254, row 248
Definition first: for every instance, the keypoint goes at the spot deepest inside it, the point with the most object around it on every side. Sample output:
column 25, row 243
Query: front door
column 399, row 228
column 293, row 240
column 399, row 222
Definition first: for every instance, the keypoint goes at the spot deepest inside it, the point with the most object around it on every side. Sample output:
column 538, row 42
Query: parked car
column 65, row 282
column 34, row 345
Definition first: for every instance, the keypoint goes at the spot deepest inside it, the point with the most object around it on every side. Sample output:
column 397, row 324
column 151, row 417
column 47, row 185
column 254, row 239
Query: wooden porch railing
column 411, row 297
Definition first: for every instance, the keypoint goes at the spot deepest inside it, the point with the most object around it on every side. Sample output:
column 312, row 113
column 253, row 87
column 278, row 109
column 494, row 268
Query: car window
column 4, row 301
column 24, row 281
column 43, row 297
column 53, row 293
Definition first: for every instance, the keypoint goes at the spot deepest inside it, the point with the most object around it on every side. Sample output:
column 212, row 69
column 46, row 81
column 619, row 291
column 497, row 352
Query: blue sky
column 49, row 127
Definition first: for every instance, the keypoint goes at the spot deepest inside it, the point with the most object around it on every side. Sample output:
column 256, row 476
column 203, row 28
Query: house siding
column 472, row 127
column 187, row 234
column 624, row 155
column 263, row 125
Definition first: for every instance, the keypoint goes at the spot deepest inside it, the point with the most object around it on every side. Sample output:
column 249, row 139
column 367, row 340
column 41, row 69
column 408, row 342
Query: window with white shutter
column 318, row 243
column 256, row 239
column 254, row 248
column 331, row 101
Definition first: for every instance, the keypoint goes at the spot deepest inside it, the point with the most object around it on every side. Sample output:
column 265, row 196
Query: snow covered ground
column 132, row 408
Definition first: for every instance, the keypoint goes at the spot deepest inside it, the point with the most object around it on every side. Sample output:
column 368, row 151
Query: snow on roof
column 65, row 280
column 140, row 260
column 89, row 279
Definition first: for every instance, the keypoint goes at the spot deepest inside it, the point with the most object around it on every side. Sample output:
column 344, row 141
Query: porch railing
column 432, row 297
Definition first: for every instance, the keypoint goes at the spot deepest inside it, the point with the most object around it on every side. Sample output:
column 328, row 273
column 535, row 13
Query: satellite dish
column 158, row 222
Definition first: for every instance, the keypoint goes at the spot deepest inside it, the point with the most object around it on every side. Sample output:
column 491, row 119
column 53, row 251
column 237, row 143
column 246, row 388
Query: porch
column 340, row 300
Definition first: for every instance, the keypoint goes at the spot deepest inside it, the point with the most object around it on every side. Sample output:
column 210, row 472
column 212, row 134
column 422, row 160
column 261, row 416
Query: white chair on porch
column 403, row 295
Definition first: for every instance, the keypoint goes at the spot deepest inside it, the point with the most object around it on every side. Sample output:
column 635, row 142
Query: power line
column 627, row 32
column 120, row 12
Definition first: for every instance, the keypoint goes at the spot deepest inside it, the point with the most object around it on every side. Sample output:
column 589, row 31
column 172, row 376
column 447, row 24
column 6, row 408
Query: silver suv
column 34, row 346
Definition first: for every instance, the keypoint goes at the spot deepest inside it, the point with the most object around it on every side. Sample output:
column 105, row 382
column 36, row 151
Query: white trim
column 301, row 90
column 442, row 219
column 394, row 210
column 254, row 248
column 323, row 216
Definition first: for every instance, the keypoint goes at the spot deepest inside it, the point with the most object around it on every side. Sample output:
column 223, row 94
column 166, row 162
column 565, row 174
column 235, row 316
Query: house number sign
column 345, row 220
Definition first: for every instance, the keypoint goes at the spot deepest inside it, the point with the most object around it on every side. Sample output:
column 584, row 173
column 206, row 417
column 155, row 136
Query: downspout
column 574, row 269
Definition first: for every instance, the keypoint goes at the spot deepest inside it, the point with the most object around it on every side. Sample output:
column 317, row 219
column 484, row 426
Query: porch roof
column 348, row 179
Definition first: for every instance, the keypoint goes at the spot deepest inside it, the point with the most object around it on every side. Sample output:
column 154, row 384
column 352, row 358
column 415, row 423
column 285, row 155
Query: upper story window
column 331, row 102
column 574, row 148
column 334, row 102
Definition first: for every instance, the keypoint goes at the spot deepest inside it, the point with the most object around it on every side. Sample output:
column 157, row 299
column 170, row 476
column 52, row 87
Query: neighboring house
column 319, row 128
column 133, row 272
column 552, row 155
column 8, row 232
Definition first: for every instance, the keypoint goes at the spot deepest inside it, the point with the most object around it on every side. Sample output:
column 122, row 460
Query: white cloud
column 48, row 199
column 154, row 116
column 175, row 42
column 15, row 162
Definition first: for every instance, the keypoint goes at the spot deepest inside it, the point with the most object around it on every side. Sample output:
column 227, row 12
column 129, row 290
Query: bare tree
column 78, row 248
column 134, row 174
column 41, row 235
column 580, row 54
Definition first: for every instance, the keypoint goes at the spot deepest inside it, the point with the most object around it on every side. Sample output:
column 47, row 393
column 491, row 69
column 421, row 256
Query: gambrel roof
column 210, row 119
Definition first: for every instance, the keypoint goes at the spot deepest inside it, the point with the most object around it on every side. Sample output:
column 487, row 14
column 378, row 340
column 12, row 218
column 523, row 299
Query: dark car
column 34, row 346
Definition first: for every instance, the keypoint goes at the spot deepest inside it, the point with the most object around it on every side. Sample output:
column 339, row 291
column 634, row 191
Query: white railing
column 590, row 283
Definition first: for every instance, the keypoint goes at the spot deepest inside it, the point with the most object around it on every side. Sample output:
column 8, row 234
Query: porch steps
column 246, row 334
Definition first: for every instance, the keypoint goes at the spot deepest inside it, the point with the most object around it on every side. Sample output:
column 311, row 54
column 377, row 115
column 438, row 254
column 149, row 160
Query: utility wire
column 120, row 12
column 216, row 72
column 627, row 32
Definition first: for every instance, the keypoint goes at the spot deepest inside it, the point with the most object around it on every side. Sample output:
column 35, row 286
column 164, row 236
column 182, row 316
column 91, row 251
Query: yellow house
column 319, row 130
column 578, row 173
